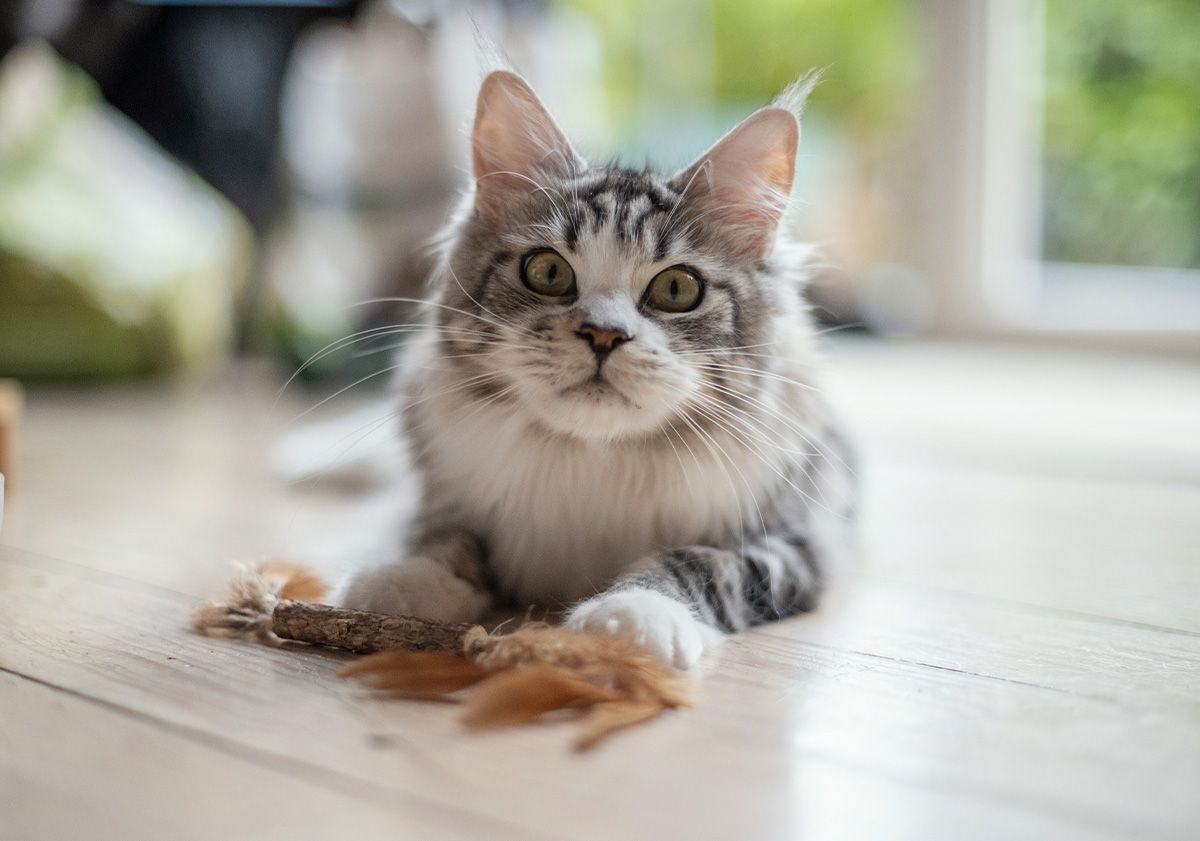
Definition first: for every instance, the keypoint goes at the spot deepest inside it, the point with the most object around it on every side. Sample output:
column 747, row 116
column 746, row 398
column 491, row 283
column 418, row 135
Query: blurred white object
column 374, row 145
column 361, row 449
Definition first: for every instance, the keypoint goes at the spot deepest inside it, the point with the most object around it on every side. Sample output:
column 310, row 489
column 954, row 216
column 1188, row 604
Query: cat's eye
column 675, row 290
column 546, row 272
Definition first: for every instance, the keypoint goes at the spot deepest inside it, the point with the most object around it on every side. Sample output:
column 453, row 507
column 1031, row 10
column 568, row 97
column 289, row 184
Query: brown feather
column 251, row 600
column 521, row 694
column 612, row 662
column 296, row 583
column 508, row 678
column 416, row 673
column 518, row 677
column 605, row 719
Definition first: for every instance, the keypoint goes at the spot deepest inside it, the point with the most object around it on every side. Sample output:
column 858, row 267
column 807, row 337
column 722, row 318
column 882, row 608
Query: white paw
column 415, row 587
column 656, row 621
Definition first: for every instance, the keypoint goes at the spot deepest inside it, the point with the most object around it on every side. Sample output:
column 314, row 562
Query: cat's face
column 609, row 303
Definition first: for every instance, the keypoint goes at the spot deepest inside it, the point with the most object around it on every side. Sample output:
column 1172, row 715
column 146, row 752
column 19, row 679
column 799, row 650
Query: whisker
column 760, row 429
column 365, row 335
column 758, row 453
column 741, row 475
column 540, row 187
column 710, row 351
column 343, row 390
column 401, row 299
column 459, row 385
column 401, row 329
column 754, row 372
column 489, row 352
column 788, row 423
column 454, row 275
column 682, row 469
column 805, row 465
column 332, row 347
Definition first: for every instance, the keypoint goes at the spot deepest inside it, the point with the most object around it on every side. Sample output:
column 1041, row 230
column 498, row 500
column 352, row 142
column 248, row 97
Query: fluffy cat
column 613, row 406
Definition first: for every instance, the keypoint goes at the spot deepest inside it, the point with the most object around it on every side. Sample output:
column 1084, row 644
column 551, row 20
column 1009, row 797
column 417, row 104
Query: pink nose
column 602, row 340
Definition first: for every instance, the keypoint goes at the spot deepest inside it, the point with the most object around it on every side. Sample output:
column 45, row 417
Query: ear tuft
column 515, row 141
column 794, row 98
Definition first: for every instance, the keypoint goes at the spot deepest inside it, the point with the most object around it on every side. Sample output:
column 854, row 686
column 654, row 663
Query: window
column 1079, row 175
column 968, row 166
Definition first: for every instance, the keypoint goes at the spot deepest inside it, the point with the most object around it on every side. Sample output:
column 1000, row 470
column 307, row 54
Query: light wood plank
column 1128, row 550
column 1005, row 407
column 72, row 768
column 771, row 708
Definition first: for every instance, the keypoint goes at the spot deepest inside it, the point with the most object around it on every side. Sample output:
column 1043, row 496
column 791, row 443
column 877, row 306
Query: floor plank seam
column 83, row 572
column 942, row 668
column 1032, row 608
column 345, row 784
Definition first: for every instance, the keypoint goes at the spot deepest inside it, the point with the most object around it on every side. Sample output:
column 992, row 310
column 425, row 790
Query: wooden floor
column 1017, row 655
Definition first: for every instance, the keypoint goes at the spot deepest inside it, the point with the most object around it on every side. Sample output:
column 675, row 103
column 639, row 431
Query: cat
column 613, row 407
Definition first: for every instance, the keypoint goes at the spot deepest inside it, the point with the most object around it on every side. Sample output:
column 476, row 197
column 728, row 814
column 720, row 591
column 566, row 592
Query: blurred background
column 184, row 182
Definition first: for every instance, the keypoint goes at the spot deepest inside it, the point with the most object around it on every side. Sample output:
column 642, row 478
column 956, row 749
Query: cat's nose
column 603, row 340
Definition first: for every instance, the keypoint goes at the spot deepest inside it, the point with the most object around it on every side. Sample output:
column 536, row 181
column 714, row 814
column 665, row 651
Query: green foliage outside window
column 1122, row 98
column 1122, row 132
column 869, row 49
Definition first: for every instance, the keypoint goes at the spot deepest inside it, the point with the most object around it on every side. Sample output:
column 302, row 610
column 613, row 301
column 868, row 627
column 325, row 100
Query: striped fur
column 692, row 481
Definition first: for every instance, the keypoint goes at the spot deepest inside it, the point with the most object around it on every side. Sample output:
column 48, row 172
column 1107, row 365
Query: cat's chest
column 561, row 519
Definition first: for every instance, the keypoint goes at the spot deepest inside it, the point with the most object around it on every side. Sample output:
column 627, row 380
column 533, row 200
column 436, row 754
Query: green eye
column 675, row 290
column 547, row 273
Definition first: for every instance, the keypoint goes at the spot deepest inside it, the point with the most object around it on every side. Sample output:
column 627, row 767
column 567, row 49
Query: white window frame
column 977, row 235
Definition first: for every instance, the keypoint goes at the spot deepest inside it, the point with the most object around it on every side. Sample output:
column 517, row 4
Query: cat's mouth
column 597, row 387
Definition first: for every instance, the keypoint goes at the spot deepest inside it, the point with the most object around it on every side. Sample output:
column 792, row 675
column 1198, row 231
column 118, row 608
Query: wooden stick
column 364, row 633
column 511, row 678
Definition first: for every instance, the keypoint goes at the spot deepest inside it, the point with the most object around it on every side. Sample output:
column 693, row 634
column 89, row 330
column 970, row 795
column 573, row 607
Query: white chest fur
column 561, row 517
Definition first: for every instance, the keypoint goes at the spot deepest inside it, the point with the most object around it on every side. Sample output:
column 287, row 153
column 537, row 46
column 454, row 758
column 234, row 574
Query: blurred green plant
column 114, row 260
column 1122, row 132
column 867, row 47
column 760, row 46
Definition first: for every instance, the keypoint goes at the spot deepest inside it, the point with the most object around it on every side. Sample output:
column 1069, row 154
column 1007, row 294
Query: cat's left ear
column 515, row 143
column 744, row 181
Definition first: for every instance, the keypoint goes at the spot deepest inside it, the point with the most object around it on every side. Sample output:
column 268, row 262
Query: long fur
column 691, row 482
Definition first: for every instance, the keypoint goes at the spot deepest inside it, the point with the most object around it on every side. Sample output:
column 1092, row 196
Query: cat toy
column 608, row 682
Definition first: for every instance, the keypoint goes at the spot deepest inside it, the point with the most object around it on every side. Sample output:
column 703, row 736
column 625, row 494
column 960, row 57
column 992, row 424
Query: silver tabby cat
column 613, row 407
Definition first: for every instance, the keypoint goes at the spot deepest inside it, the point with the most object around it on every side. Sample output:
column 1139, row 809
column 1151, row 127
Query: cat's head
column 611, row 303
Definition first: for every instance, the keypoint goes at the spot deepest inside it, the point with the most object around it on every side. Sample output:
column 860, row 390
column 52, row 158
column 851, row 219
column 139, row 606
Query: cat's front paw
column 415, row 587
column 653, row 620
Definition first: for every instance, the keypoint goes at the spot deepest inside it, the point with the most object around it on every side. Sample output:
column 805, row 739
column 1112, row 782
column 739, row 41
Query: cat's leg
column 442, row 579
column 681, row 601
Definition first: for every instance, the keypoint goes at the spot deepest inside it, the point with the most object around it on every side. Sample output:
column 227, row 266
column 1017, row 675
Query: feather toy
column 608, row 682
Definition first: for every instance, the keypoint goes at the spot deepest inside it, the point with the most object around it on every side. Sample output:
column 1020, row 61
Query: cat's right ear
column 745, row 180
column 515, row 143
